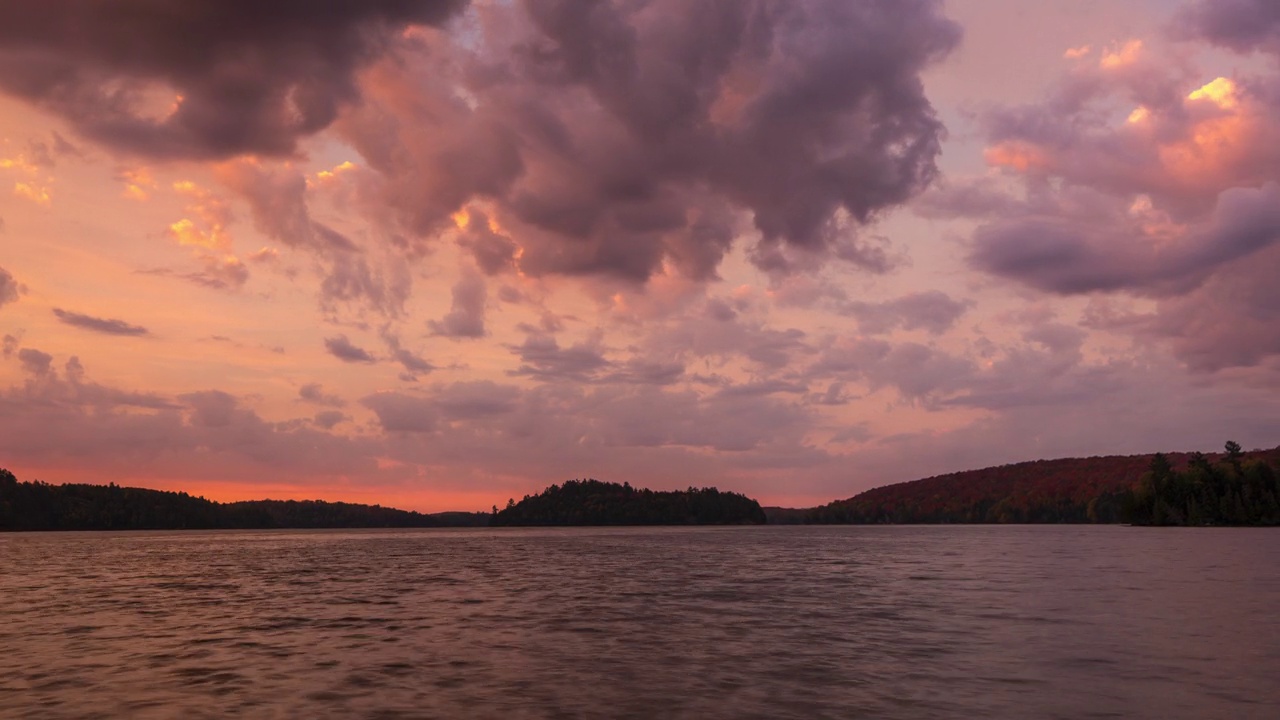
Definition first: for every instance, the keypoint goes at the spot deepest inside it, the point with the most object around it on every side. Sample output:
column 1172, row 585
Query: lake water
column 767, row 622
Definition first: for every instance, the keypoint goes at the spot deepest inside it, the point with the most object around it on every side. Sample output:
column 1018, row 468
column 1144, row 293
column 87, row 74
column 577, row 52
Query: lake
column 753, row 622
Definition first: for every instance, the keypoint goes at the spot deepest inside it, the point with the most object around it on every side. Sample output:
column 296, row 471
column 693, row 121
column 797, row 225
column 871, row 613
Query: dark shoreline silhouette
column 34, row 506
column 1231, row 488
column 591, row 502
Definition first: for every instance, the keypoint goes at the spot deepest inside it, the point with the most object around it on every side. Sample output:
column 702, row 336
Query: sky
column 436, row 254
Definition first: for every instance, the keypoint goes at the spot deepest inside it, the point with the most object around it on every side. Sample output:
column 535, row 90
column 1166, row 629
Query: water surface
column 767, row 622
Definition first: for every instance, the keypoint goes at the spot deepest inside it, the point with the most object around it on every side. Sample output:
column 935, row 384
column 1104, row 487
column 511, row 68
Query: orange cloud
column 1017, row 154
column 1126, row 55
column 213, row 214
column 136, row 183
column 33, row 192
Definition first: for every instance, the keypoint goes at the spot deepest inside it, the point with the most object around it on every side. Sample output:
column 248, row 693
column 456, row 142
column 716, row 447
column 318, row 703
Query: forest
column 592, row 502
column 1235, row 490
column 40, row 506
column 1070, row 490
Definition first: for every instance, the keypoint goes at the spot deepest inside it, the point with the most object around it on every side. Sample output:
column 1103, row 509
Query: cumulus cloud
column 1140, row 176
column 465, row 318
column 612, row 138
column 201, row 79
column 107, row 326
column 343, row 349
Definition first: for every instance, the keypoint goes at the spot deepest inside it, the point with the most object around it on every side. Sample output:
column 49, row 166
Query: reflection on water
column 771, row 622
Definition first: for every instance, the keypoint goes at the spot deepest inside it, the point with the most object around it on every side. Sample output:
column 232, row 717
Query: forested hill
column 591, row 502
column 1072, row 490
column 40, row 506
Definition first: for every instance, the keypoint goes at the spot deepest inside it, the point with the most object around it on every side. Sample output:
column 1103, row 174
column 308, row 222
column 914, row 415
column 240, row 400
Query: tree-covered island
column 591, row 502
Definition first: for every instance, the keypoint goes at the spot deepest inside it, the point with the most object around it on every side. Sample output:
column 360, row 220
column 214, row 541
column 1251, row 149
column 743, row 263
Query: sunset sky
column 436, row 254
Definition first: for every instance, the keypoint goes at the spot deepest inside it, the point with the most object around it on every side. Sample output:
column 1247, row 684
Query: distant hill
column 40, row 506
column 591, row 502
column 1071, row 490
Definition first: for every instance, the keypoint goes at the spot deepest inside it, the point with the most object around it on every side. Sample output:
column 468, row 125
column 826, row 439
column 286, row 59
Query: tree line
column 1232, row 491
column 36, row 505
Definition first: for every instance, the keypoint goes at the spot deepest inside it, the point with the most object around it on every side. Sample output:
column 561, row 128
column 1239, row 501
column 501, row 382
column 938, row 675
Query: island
column 592, row 502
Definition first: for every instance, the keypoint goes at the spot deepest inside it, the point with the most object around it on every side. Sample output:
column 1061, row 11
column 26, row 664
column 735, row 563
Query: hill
column 40, row 506
column 1070, row 490
column 591, row 502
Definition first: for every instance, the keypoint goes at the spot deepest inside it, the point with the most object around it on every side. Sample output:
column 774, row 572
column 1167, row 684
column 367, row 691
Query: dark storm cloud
column 611, row 137
column 1242, row 25
column 254, row 76
column 10, row 289
column 342, row 348
column 101, row 325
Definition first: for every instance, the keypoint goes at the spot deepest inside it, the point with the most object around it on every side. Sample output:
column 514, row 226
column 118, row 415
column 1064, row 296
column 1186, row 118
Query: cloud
column 1177, row 201
column 1076, row 255
column 204, row 79
column 328, row 419
column 314, row 393
column 466, row 315
column 1241, row 25
column 35, row 362
column 398, row 412
column 413, row 364
column 10, row 289
column 1232, row 320
column 225, row 272
column 342, row 348
column 542, row 357
column 618, row 139
column 278, row 201
column 932, row 311
column 101, row 325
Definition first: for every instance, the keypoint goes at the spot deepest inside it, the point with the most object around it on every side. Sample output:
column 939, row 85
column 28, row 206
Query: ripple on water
column 638, row 623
